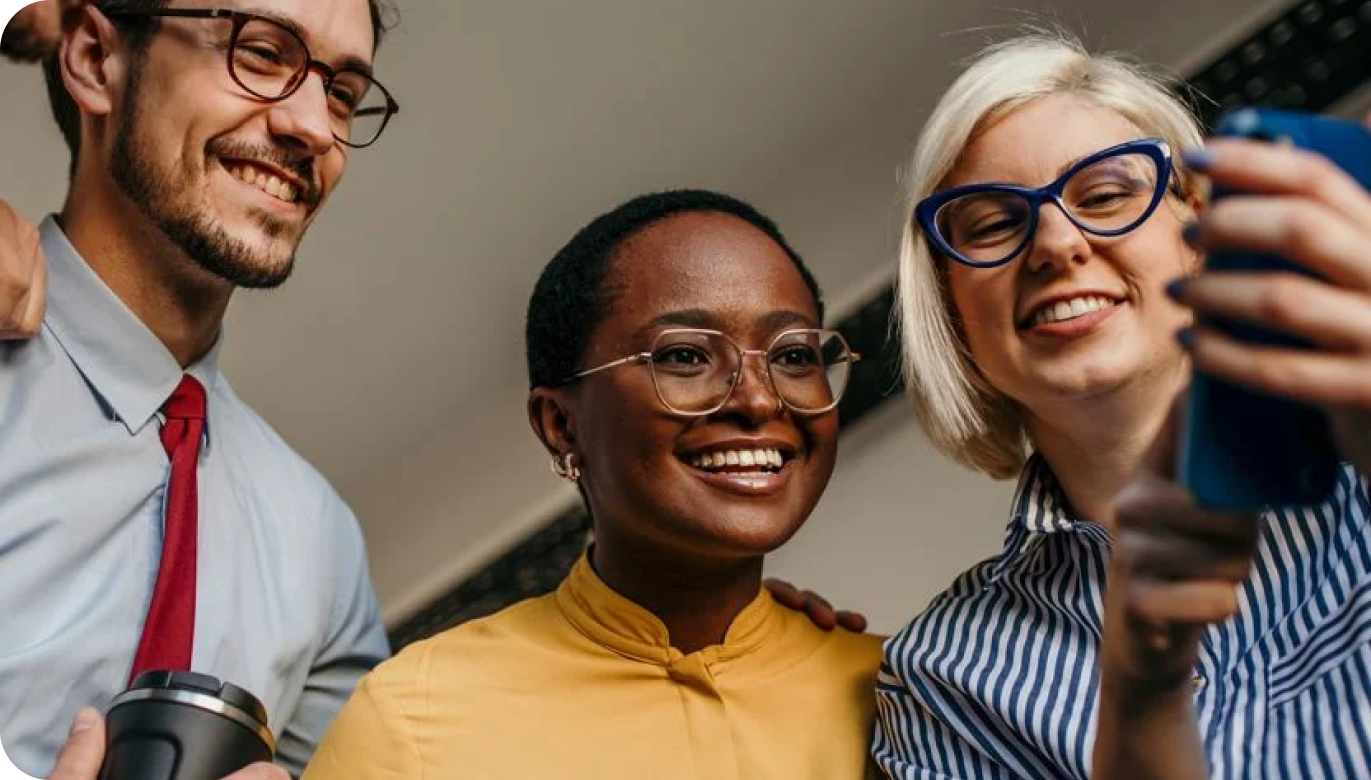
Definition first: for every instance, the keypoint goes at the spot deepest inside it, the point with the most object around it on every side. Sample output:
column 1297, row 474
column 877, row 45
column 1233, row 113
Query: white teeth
column 1070, row 309
column 769, row 458
column 265, row 182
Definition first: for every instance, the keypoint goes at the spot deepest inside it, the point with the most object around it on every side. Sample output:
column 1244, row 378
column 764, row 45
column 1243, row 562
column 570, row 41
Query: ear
column 1198, row 204
column 93, row 61
column 552, row 420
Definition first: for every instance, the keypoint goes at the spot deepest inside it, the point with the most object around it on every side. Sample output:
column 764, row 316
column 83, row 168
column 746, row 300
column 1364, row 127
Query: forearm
column 1147, row 734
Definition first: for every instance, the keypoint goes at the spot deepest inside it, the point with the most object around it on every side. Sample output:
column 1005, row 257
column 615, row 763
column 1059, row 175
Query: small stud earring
column 565, row 467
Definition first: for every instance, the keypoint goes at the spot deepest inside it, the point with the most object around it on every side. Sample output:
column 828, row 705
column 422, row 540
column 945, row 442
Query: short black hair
column 65, row 111
column 573, row 295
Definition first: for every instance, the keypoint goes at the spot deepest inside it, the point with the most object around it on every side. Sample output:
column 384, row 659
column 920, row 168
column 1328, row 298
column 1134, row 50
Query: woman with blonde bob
column 1049, row 275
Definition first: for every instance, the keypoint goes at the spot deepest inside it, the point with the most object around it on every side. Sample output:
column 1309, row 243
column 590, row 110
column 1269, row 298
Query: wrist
column 1147, row 686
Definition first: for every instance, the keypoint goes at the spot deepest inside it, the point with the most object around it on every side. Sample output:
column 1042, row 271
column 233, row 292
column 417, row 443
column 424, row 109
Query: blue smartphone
column 1240, row 449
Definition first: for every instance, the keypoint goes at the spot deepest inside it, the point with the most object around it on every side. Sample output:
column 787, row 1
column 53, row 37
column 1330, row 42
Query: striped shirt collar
column 1040, row 508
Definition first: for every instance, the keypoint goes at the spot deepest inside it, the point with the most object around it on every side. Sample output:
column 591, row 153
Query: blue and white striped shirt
column 998, row 678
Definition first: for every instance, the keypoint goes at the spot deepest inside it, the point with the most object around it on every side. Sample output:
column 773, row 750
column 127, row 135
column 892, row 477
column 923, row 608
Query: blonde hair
column 964, row 416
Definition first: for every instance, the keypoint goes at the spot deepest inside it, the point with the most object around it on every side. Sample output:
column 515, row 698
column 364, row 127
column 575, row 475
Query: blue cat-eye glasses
column 1105, row 194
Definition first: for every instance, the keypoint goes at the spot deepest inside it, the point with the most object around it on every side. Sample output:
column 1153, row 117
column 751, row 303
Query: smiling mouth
column 263, row 180
column 765, row 460
column 1070, row 309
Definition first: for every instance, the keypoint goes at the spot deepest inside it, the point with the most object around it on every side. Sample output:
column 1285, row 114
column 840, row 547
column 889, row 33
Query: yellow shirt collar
column 614, row 622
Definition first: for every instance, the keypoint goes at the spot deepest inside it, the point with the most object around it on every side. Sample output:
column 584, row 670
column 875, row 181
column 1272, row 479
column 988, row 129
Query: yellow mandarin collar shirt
column 584, row 683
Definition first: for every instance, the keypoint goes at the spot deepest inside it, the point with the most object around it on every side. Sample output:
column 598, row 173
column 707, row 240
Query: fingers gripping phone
column 1242, row 449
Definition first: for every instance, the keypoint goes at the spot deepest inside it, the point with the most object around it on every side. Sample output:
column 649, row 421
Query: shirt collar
column 1040, row 505
column 614, row 622
column 1040, row 508
column 124, row 362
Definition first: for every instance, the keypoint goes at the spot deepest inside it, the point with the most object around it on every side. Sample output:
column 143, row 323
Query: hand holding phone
column 1282, row 341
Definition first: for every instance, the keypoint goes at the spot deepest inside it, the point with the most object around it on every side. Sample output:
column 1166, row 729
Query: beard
column 168, row 201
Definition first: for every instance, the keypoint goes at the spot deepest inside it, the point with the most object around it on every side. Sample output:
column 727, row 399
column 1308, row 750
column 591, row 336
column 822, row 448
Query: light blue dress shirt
column 284, row 602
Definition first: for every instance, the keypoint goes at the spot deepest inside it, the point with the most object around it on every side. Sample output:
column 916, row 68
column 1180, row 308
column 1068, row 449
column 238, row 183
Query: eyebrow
column 1073, row 163
column 1069, row 164
column 1066, row 166
column 701, row 318
column 352, row 63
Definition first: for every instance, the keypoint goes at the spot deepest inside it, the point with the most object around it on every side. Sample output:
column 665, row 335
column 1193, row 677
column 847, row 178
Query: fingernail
column 1176, row 289
column 1186, row 336
column 1191, row 233
column 85, row 720
column 1198, row 159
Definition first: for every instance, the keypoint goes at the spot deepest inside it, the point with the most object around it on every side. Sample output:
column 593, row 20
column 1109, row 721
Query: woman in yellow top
column 681, row 377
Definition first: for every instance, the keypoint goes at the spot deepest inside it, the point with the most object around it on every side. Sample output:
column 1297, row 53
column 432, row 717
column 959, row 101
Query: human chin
column 248, row 259
column 741, row 514
column 1085, row 370
column 253, row 240
column 744, row 529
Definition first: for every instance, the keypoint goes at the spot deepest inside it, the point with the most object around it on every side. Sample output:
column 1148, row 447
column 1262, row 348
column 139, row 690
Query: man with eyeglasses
column 148, row 518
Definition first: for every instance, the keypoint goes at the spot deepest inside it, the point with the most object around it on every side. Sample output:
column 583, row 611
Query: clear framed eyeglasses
column 694, row 371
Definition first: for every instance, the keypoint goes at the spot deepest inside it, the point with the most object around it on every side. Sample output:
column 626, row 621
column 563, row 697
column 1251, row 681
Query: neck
column 1094, row 444
column 166, row 290
column 696, row 601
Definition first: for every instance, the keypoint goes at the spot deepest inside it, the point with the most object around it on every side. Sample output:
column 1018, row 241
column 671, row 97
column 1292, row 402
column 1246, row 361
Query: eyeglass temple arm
column 635, row 358
column 185, row 13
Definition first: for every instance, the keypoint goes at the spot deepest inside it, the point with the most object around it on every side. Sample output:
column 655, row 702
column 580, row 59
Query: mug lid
column 205, row 692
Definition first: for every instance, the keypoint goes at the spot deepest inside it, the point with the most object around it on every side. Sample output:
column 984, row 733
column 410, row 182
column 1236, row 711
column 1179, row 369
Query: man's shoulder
column 32, row 360
column 257, row 446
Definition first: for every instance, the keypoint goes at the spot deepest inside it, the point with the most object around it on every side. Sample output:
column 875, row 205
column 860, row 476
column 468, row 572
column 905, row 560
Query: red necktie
column 170, row 627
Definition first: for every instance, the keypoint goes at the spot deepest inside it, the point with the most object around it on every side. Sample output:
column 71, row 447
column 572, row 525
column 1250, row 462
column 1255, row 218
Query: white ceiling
column 394, row 359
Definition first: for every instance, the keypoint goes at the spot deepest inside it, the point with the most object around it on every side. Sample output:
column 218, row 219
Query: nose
column 303, row 118
column 753, row 398
column 1057, row 242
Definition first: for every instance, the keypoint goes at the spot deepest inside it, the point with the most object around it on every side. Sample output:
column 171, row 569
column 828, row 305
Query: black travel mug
column 184, row 726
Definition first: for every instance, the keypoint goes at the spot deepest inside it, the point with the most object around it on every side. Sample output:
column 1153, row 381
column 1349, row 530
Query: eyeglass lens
column 695, row 371
column 1110, row 195
column 270, row 61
